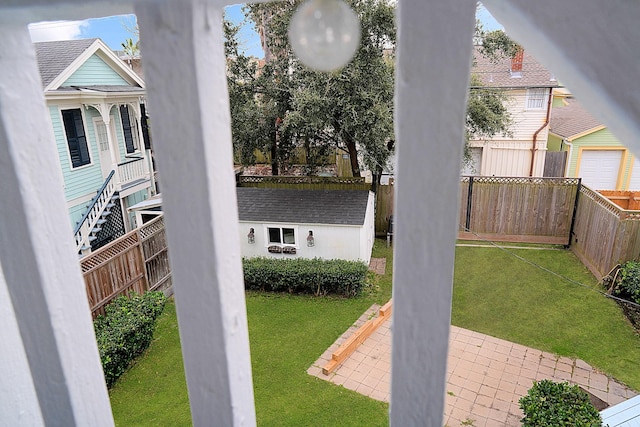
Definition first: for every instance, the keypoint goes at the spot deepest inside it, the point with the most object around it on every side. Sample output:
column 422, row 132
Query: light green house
column 95, row 102
column 593, row 152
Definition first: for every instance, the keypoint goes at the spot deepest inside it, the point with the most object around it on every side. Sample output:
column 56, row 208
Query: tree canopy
column 278, row 104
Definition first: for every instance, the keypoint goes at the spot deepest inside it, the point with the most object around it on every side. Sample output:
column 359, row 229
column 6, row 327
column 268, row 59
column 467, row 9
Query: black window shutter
column 126, row 129
column 145, row 127
column 76, row 138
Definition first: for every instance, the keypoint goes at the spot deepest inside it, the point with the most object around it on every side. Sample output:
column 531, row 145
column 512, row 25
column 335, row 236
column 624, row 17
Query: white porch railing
column 89, row 220
column 131, row 170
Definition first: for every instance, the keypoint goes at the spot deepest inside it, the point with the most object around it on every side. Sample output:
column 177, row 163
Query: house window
column 282, row 235
column 76, row 137
column 129, row 129
column 536, row 98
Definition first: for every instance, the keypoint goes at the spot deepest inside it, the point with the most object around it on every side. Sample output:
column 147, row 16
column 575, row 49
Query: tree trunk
column 274, row 154
column 353, row 155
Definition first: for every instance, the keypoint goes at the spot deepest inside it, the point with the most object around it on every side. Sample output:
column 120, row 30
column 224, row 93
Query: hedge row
column 126, row 330
column 551, row 404
column 307, row 276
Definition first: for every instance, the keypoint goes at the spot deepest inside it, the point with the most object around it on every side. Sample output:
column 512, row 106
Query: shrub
column 629, row 284
column 553, row 404
column 126, row 330
column 308, row 276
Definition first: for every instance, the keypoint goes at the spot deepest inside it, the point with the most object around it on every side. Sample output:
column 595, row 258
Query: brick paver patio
column 486, row 376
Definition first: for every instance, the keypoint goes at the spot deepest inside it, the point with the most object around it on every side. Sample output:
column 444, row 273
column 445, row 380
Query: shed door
column 599, row 168
column 634, row 182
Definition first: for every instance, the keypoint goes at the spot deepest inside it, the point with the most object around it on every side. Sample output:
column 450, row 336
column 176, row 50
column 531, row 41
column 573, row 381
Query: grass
column 494, row 293
column 287, row 334
column 500, row 295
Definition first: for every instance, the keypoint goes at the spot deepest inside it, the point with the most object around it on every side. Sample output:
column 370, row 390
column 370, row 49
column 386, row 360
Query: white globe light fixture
column 324, row 34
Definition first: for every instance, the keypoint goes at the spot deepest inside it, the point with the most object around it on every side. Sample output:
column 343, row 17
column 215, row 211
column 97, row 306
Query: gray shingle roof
column 571, row 120
column 54, row 57
column 498, row 74
column 302, row 206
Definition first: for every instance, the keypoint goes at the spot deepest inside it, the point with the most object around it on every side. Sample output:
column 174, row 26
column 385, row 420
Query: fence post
column 467, row 224
column 575, row 210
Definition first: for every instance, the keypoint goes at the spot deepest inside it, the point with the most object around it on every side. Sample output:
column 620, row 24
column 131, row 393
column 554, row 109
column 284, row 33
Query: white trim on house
column 281, row 227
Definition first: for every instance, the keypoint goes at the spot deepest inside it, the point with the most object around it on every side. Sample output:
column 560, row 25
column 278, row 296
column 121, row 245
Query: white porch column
column 434, row 59
column 184, row 65
column 37, row 255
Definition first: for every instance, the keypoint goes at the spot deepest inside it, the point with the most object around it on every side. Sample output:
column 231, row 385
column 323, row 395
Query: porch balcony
column 132, row 175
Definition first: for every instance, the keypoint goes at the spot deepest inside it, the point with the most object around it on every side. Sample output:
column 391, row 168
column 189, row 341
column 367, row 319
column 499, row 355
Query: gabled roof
column 498, row 73
column 55, row 57
column 280, row 205
column 58, row 60
column 572, row 120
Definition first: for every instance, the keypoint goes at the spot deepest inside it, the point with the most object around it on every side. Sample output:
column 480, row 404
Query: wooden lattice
column 105, row 254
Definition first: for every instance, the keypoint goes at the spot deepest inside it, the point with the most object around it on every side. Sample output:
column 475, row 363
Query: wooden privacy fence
column 304, row 182
column 136, row 262
column 604, row 234
column 384, row 208
column 536, row 210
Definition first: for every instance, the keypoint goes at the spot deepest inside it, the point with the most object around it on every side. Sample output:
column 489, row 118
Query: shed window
column 76, row 137
column 285, row 236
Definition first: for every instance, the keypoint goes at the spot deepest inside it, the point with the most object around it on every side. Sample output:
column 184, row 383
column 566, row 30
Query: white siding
column 367, row 232
column 474, row 167
column 331, row 241
column 510, row 154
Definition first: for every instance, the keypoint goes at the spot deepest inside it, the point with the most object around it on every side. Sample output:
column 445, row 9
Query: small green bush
column 553, row 404
column 629, row 285
column 308, row 276
column 126, row 330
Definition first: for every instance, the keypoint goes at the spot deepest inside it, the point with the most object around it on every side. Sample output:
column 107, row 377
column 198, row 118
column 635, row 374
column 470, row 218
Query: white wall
column 510, row 155
column 367, row 232
column 331, row 241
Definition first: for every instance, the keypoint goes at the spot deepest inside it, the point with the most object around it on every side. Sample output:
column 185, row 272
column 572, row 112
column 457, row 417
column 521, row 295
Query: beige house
column 528, row 85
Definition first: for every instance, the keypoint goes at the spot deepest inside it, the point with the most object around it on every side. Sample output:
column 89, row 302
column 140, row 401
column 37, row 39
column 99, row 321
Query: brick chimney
column 516, row 63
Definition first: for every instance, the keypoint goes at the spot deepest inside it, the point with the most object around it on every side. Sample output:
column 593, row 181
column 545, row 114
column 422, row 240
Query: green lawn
column 494, row 293
column 500, row 295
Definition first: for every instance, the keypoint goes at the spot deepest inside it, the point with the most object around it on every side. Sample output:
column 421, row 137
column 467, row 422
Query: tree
column 350, row 109
column 284, row 104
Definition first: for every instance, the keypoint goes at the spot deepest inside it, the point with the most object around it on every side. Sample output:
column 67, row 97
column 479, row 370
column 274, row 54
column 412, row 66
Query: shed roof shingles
column 341, row 207
column 54, row 57
column 571, row 120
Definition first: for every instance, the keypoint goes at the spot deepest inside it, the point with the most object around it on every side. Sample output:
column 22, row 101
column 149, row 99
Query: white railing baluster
column 425, row 231
column 38, row 259
column 189, row 102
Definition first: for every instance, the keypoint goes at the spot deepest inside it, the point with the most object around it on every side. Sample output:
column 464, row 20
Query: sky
column 114, row 30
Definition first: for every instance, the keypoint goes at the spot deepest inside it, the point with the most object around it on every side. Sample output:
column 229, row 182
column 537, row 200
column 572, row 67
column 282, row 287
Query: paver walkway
column 486, row 376
column 378, row 265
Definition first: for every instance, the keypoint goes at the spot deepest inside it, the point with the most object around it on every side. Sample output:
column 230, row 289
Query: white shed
column 341, row 222
column 328, row 224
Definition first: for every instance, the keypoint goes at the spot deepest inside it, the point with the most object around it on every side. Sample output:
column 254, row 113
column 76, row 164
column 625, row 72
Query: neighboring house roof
column 55, row 57
column 572, row 120
column 498, row 74
column 58, row 60
column 344, row 207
